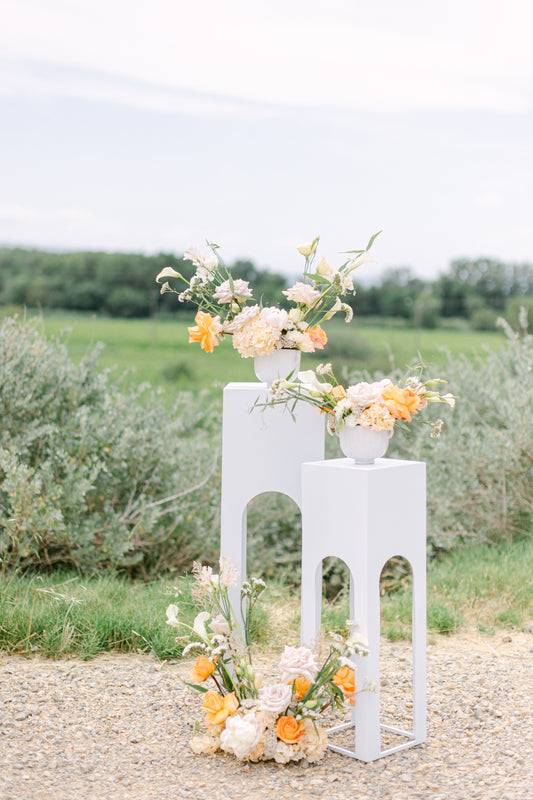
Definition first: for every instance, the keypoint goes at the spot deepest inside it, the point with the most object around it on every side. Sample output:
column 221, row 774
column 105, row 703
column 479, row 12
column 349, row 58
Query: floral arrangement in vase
column 362, row 415
column 226, row 306
column 243, row 716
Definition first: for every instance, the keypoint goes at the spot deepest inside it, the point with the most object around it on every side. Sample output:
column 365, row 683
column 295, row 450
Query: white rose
column 308, row 248
column 277, row 318
column 224, row 294
column 302, row 293
column 275, row 698
column 297, row 662
column 324, row 268
column 219, row 626
column 364, row 394
column 241, row 735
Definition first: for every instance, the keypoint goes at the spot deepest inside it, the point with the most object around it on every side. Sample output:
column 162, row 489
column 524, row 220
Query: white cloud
column 336, row 55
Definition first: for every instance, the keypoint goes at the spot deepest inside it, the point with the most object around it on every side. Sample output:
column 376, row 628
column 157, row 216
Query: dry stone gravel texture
column 119, row 727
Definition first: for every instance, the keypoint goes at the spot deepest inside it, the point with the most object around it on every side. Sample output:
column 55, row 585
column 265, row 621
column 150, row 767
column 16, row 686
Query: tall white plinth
column 262, row 451
column 365, row 515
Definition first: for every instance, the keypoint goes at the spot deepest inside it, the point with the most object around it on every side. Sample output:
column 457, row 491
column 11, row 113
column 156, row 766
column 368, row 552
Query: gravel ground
column 119, row 727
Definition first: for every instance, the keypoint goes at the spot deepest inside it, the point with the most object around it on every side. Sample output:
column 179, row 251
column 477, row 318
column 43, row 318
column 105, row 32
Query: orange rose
column 289, row 730
column 344, row 678
column 219, row 708
column 201, row 670
column 205, row 331
column 318, row 337
column 301, row 685
column 401, row 403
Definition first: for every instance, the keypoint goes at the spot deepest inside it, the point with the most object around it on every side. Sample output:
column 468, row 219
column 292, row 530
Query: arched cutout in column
column 274, row 538
column 336, row 593
column 396, row 651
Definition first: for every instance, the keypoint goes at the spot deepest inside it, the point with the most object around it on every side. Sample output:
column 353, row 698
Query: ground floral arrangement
column 377, row 406
column 241, row 716
column 226, row 308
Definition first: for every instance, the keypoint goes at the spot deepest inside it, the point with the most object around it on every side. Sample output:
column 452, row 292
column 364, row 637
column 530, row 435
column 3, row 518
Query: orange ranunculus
column 289, row 730
column 301, row 685
column 201, row 670
column 318, row 337
column 400, row 402
column 344, row 678
column 219, row 708
column 205, row 331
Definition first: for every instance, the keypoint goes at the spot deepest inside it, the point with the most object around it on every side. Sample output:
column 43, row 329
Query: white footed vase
column 364, row 445
column 276, row 365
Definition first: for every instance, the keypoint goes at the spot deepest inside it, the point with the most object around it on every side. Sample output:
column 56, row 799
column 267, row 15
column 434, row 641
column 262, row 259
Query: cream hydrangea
column 204, row 744
column 297, row 340
column 255, row 338
column 315, row 741
column 377, row 417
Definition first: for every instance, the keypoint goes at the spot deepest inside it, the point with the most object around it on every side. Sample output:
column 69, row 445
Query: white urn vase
column 276, row 365
column 364, row 445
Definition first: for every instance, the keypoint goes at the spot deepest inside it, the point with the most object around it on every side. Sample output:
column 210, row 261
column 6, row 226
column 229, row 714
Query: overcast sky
column 154, row 124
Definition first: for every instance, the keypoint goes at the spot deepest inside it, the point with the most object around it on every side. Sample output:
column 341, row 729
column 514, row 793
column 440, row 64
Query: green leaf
column 372, row 240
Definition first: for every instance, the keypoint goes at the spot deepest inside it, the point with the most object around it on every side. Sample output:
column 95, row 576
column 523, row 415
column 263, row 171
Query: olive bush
column 480, row 471
column 96, row 474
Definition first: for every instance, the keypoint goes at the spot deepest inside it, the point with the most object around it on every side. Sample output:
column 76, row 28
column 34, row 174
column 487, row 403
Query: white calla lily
column 364, row 258
column 311, row 384
column 168, row 272
column 172, row 616
column 199, row 625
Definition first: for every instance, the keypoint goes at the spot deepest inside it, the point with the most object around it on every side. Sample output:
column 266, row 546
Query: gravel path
column 119, row 727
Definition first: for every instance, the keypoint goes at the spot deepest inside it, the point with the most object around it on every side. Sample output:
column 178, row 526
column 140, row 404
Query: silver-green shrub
column 480, row 471
column 96, row 474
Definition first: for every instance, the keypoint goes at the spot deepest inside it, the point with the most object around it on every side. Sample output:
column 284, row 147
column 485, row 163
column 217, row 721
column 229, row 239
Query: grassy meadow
column 478, row 588
column 158, row 351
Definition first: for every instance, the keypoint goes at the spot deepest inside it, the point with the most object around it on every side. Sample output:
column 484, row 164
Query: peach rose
column 289, row 730
column 301, row 686
column 344, row 678
column 318, row 337
column 219, row 708
column 201, row 670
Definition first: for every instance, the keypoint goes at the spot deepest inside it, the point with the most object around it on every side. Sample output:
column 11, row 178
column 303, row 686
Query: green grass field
column 158, row 351
column 479, row 588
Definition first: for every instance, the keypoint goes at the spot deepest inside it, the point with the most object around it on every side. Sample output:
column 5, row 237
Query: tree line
column 123, row 285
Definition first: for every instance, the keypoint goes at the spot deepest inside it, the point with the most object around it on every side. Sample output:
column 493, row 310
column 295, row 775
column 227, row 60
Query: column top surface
column 242, row 387
column 349, row 464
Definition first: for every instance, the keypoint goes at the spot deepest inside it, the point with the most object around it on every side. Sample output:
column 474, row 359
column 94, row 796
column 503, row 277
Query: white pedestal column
column 365, row 515
column 262, row 451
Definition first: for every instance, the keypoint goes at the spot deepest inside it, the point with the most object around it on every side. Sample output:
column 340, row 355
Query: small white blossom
column 229, row 573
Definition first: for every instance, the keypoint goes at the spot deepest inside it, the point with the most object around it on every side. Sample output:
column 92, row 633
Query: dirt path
column 118, row 727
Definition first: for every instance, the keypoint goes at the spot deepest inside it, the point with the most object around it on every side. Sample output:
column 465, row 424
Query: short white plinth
column 262, row 451
column 365, row 515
